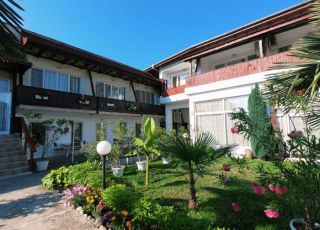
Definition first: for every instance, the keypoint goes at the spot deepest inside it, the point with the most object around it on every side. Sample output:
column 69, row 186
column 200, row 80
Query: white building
column 205, row 82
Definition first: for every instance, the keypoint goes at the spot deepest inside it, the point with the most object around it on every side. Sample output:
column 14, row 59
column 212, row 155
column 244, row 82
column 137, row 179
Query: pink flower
column 235, row 207
column 281, row 190
column 226, row 168
column 271, row 187
column 235, row 130
column 273, row 214
column 295, row 134
column 258, row 190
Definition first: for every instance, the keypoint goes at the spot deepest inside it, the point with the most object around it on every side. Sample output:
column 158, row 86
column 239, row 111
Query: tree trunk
column 147, row 171
column 192, row 190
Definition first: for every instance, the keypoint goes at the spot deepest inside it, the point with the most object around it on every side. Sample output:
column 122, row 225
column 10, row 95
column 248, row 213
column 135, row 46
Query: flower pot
column 141, row 165
column 296, row 224
column 118, row 171
column 248, row 153
column 166, row 160
column 42, row 165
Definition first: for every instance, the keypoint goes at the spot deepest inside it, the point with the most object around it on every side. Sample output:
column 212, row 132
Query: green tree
column 148, row 143
column 195, row 154
column 263, row 129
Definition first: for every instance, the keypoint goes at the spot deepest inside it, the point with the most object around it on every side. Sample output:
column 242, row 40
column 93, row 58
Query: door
column 5, row 107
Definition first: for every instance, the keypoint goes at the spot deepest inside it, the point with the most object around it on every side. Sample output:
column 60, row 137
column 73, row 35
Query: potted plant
column 161, row 133
column 117, row 169
column 45, row 134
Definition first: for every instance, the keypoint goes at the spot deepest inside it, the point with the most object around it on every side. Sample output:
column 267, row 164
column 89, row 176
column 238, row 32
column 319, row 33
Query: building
column 205, row 82
column 59, row 81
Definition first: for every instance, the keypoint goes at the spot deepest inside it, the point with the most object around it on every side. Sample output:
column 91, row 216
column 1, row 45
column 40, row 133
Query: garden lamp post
column 103, row 148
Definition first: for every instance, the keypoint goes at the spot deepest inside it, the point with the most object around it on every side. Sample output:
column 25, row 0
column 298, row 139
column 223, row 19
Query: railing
column 173, row 91
column 240, row 69
column 27, row 95
column 28, row 142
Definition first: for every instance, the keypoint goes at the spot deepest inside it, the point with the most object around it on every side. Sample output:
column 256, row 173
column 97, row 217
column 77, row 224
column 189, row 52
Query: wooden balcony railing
column 27, row 95
column 28, row 143
column 240, row 69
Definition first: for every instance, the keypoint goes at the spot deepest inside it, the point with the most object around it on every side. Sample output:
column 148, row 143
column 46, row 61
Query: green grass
column 168, row 185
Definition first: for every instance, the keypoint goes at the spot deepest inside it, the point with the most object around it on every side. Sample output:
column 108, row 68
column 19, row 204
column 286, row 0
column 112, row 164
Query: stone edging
column 94, row 221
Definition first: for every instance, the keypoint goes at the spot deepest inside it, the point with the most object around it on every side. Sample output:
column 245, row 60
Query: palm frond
column 10, row 27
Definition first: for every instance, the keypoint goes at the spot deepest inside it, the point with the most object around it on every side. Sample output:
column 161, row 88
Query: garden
column 201, row 185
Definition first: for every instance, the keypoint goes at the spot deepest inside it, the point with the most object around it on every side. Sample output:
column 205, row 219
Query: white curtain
column 74, row 85
column 36, row 78
column 99, row 89
column 213, row 124
column 209, row 106
column 63, row 82
column 50, row 80
column 237, row 139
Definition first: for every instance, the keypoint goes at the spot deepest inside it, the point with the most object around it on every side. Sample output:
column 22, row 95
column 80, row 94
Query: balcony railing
column 173, row 91
column 240, row 69
column 27, row 95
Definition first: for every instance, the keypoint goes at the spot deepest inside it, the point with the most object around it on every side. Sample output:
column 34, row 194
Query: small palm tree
column 196, row 154
column 147, row 144
column 10, row 23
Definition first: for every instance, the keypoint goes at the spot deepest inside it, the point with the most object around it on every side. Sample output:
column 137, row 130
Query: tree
column 147, row 144
column 195, row 154
column 302, row 77
column 10, row 23
column 263, row 129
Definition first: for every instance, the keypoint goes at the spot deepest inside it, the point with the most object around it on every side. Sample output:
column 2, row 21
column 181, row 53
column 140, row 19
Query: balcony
column 240, row 69
column 173, row 91
column 26, row 95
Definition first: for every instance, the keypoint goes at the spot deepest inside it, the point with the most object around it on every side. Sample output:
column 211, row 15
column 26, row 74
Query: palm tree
column 147, row 145
column 196, row 154
column 299, row 87
column 10, row 23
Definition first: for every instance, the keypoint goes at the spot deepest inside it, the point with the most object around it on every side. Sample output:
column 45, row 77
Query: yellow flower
column 114, row 218
column 124, row 213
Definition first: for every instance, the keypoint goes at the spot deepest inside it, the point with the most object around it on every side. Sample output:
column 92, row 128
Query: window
column 138, row 129
column 49, row 79
column 38, row 132
column 110, row 91
column 36, row 78
column 145, row 97
column 283, row 49
column 99, row 89
column 214, row 117
column 74, row 85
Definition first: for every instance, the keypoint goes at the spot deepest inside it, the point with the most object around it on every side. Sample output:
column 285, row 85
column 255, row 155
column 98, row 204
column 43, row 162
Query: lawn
column 168, row 185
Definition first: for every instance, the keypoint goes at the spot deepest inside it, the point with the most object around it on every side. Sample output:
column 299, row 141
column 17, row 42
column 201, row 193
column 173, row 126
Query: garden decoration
column 103, row 148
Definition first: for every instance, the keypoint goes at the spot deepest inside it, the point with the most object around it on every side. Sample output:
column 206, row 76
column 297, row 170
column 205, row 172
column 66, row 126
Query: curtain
column 107, row 90
column 63, row 82
column 50, row 80
column 99, row 89
column 37, row 78
column 237, row 139
column 122, row 91
column 213, row 124
column 3, row 119
column 4, row 86
column 209, row 106
column 74, row 85
column 236, row 102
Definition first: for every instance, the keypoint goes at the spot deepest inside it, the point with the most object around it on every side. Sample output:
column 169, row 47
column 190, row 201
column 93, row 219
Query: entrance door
column 5, row 107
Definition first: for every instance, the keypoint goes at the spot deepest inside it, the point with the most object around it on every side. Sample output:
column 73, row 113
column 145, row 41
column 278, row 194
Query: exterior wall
column 85, row 86
column 88, row 121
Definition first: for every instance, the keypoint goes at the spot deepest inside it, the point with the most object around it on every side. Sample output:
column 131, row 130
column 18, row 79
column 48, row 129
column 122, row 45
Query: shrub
column 119, row 197
column 148, row 214
column 57, row 179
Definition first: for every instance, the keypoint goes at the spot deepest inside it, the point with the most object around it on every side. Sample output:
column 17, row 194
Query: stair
column 12, row 159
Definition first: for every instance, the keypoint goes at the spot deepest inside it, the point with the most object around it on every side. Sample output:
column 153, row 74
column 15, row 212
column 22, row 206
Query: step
column 10, row 141
column 9, row 149
column 14, row 171
column 15, row 135
column 6, row 159
column 9, row 153
column 13, row 165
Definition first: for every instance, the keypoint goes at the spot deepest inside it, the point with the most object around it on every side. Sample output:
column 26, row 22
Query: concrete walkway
column 24, row 204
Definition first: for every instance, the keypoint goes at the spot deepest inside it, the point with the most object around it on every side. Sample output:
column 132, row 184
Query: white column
column 169, row 119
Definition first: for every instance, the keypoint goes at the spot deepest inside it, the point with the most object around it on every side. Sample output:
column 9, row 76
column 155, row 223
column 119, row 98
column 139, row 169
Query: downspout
column 93, row 91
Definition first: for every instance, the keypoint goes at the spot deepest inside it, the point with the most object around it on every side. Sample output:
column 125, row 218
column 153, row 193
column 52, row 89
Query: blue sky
column 142, row 32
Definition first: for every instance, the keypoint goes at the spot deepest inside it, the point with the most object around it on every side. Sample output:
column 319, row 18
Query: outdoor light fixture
column 103, row 148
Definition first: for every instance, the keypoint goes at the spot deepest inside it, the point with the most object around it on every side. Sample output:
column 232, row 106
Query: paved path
column 24, row 204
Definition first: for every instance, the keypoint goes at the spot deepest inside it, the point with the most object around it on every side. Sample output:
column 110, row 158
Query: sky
column 140, row 33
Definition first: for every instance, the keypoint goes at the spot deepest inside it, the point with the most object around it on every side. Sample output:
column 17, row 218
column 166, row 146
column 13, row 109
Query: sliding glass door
column 5, row 106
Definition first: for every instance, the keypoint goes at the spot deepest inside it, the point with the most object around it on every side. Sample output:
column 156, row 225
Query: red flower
column 235, row 207
column 235, row 130
column 294, row 134
column 273, row 214
column 258, row 190
column 100, row 206
column 271, row 187
column 226, row 168
column 281, row 190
